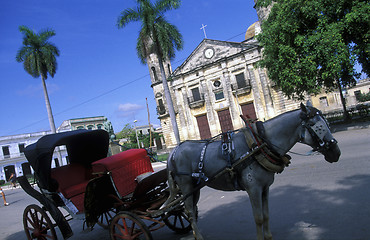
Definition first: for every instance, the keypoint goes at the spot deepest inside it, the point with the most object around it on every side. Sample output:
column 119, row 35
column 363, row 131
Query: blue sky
column 99, row 73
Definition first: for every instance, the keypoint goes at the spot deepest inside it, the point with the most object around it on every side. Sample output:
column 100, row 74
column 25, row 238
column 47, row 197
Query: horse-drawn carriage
column 119, row 192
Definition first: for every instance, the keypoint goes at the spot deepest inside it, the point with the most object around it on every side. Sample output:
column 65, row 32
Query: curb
column 350, row 126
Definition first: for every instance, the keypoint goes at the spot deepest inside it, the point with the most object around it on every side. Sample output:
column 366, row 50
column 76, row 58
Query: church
column 217, row 83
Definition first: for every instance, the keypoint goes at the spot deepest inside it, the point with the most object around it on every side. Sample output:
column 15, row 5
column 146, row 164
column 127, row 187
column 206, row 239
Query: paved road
column 310, row 200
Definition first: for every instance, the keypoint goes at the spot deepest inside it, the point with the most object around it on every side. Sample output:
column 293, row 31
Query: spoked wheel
column 106, row 218
column 126, row 225
column 37, row 223
column 177, row 220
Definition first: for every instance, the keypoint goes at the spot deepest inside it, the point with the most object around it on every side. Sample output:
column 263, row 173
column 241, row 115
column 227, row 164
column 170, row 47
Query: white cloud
column 129, row 109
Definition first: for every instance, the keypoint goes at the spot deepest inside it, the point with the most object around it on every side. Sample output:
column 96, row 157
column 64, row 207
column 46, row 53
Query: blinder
column 317, row 130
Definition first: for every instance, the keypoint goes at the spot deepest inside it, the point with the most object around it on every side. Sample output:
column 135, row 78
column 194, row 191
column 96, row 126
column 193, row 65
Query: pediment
column 208, row 52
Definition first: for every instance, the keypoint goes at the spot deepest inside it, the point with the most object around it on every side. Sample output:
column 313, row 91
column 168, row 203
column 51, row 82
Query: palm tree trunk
column 171, row 109
column 50, row 116
column 48, row 107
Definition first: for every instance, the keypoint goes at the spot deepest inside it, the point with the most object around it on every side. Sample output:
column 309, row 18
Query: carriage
column 120, row 192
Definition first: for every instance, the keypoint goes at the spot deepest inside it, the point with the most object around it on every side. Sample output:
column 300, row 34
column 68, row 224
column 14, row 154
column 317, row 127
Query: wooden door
column 248, row 111
column 225, row 120
column 203, row 127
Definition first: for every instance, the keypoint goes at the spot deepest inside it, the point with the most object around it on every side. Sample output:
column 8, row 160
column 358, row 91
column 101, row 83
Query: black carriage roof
column 83, row 146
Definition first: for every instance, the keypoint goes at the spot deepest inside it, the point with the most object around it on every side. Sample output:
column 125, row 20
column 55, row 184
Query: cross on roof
column 204, row 30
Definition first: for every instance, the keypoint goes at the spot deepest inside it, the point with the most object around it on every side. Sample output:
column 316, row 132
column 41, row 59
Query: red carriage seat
column 72, row 180
column 125, row 167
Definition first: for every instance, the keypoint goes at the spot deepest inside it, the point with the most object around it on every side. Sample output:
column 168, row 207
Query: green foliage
column 37, row 53
column 128, row 132
column 125, row 132
column 363, row 97
column 156, row 34
column 313, row 44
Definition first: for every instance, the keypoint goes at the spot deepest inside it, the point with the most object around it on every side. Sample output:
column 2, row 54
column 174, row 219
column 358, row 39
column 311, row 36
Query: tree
column 310, row 45
column 126, row 132
column 156, row 36
column 39, row 59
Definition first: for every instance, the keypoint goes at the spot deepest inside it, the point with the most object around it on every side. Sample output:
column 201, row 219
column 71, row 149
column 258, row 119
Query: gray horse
column 191, row 165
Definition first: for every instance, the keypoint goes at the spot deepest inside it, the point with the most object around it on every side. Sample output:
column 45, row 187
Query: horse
column 245, row 164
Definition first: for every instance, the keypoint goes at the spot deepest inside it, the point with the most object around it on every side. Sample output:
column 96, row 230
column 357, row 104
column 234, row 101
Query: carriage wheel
column 178, row 221
column 37, row 223
column 126, row 225
column 105, row 218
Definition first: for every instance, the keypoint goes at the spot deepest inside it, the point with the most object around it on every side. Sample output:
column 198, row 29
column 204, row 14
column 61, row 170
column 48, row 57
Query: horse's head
column 316, row 133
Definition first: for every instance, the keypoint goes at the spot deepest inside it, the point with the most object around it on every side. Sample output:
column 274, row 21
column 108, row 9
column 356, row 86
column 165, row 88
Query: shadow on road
column 298, row 212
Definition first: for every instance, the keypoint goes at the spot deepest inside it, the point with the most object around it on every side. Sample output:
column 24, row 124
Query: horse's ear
column 303, row 108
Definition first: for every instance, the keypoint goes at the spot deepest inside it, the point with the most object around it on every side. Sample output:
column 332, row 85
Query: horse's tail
column 172, row 186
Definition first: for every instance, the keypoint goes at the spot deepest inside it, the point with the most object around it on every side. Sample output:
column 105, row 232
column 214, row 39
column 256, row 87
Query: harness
column 259, row 150
column 267, row 157
column 317, row 130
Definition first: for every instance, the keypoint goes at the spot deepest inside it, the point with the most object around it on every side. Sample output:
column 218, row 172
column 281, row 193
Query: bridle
column 317, row 129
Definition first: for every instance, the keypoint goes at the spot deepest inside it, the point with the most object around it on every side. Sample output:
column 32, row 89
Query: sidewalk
column 349, row 126
column 159, row 165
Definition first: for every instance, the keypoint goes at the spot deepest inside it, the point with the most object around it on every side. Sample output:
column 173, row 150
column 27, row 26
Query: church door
column 225, row 120
column 248, row 110
column 203, row 127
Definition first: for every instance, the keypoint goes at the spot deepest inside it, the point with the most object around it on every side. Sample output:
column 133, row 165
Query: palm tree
column 39, row 59
column 156, row 36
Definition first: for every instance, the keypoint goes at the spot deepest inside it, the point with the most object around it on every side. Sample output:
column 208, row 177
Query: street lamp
column 137, row 139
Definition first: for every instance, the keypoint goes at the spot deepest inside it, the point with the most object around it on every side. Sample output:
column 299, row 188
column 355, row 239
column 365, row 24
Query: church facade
column 217, row 83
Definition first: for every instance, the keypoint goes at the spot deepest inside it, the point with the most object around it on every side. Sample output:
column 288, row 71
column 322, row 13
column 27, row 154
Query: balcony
column 161, row 110
column 241, row 90
column 196, row 102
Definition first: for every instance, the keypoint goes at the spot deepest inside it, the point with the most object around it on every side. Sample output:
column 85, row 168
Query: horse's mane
column 303, row 115
column 283, row 115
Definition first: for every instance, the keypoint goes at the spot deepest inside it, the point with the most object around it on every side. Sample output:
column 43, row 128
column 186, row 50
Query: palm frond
column 37, row 54
column 46, row 34
column 162, row 6
column 156, row 34
column 127, row 16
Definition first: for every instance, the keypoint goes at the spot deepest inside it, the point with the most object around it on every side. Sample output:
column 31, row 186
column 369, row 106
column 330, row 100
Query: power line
column 82, row 103
column 235, row 36
column 101, row 95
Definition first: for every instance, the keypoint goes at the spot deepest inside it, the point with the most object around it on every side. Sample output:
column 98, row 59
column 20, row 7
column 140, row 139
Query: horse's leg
column 266, row 218
column 186, row 186
column 255, row 197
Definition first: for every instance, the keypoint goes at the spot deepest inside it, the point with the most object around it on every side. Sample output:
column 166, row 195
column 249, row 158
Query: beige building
column 213, row 86
column 330, row 101
column 90, row 123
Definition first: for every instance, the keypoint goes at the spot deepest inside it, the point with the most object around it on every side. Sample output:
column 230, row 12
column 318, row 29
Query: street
column 311, row 200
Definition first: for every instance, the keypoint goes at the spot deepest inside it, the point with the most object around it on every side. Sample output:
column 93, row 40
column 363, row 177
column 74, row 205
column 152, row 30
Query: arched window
column 154, row 74
column 80, row 127
column 90, row 127
column 160, row 108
